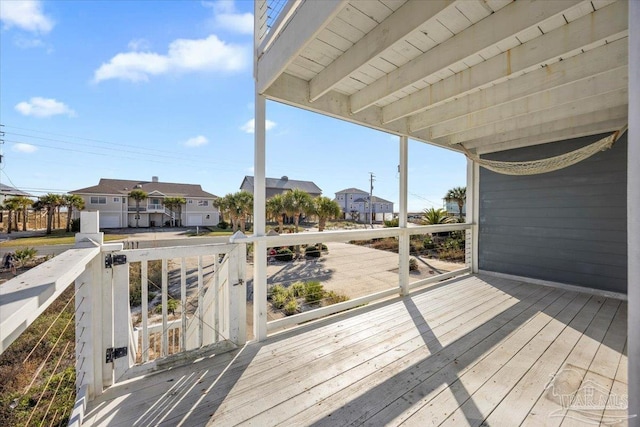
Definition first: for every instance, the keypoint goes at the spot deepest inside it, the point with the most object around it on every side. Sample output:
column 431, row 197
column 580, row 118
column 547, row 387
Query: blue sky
column 133, row 89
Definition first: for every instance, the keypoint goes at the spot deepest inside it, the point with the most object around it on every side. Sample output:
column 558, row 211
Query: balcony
column 449, row 348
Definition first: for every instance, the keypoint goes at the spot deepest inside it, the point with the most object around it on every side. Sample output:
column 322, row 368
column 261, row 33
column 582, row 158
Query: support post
column 403, row 241
column 633, row 216
column 259, row 182
column 473, row 215
column 89, row 308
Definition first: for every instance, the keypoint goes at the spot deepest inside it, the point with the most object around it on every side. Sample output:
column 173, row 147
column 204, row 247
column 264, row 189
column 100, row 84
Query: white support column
column 473, row 214
column 259, row 185
column 633, row 215
column 121, row 320
column 403, row 242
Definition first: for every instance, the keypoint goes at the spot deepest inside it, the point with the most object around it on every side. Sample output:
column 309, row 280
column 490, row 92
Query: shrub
column 223, row 225
column 172, row 306
column 154, row 277
column 428, row 243
column 413, row 264
column 284, row 254
column 279, row 300
column 392, row 222
column 75, row 225
column 312, row 251
column 314, row 291
column 297, row 289
column 332, row 297
column 291, row 307
column 25, row 255
column 278, row 290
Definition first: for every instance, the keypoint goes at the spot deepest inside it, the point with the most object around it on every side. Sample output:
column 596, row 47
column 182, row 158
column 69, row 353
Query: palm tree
column 50, row 201
column 11, row 204
column 325, row 208
column 221, row 203
column 172, row 203
column 458, row 195
column 24, row 203
column 244, row 206
column 72, row 201
column 138, row 195
column 37, row 208
column 275, row 209
column 435, row 216
column 180, row 201
column 296, row 202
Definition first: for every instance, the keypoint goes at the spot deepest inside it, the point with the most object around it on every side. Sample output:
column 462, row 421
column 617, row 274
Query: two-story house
column 117, row 210
column 355, row 205
column 280, row 185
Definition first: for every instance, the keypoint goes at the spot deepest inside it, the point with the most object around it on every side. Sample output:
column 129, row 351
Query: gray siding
column 566, row 226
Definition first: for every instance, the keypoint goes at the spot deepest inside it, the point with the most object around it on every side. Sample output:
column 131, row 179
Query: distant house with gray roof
column 7, row 191
column 117, row 210
column 280, row 185
column 355, row 205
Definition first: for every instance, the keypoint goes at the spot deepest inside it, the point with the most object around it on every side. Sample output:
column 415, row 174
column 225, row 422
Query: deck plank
column 389, row 383
column 549, row 409
column 478, row 347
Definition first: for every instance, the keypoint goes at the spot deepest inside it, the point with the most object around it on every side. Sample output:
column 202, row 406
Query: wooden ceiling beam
column 578, row 67
column 500, row 26
column 608, row 22
column 398, row 25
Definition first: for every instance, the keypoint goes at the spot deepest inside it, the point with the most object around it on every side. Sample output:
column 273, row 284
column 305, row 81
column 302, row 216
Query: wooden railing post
column 89, row 319
column 237, row 296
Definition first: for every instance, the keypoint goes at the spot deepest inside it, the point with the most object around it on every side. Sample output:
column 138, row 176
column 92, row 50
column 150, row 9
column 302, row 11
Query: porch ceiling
column 488, row 75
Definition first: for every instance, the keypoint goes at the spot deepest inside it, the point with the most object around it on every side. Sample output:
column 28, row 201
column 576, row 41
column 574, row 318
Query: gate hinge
column 240, row 282
column 115, row 353
column 111, row 260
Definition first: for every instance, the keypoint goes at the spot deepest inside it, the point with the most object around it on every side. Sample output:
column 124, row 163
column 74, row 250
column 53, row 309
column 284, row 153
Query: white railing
column 404, row 285
column 213, row 314
column 103, row 316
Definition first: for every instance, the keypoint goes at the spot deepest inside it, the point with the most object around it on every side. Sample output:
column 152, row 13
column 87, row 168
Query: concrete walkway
column 350, row 270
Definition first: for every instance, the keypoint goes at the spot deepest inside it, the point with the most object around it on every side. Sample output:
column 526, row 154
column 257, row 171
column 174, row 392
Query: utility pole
column 371, row 179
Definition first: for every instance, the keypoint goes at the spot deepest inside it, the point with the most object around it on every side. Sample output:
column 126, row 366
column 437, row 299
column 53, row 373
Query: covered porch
column 474, row 350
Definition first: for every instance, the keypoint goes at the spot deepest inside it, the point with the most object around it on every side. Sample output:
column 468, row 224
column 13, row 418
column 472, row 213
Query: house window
column 203, row 203
column 116, row 199
column 98, row 200
column 189, row 201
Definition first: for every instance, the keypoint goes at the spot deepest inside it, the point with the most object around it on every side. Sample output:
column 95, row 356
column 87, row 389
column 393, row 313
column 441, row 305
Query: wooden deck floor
column 476, row 350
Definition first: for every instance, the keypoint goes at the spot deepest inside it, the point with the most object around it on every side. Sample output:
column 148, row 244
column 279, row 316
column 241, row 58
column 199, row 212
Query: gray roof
column 352, row 190
column 283, row 184
column 375, row 200
column 124, row 186
column 8, row 191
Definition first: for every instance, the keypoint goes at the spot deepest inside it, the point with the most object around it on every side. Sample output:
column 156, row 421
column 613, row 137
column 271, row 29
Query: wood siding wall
column 567, row 226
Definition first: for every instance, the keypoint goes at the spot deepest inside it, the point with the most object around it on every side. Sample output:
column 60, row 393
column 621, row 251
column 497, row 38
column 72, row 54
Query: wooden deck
column 476, row 350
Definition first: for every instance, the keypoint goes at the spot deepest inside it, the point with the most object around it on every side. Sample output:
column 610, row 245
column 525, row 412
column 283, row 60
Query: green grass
column 210, row 231
column 57, row 237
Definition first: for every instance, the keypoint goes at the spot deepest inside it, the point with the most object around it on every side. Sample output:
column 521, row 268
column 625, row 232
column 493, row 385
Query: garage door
column 194, row 219
column 109, row 221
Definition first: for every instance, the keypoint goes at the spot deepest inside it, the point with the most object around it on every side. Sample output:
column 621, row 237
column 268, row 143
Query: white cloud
column 24, row 148
column 210, row 54
column 227, row 17
column 196, row 141
column 44, row 107
column 26, row 15
column 250, row 126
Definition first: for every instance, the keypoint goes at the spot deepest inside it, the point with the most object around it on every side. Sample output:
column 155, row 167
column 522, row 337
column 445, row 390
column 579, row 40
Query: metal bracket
column 115, row 353
column 240, row 283
column 111, row 260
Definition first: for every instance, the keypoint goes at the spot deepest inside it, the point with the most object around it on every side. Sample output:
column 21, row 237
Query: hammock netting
column 534, row 167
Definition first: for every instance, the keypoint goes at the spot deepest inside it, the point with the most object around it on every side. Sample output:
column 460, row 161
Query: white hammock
column 533, row 167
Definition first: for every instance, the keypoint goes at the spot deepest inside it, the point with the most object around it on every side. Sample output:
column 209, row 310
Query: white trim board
column 565, row 286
